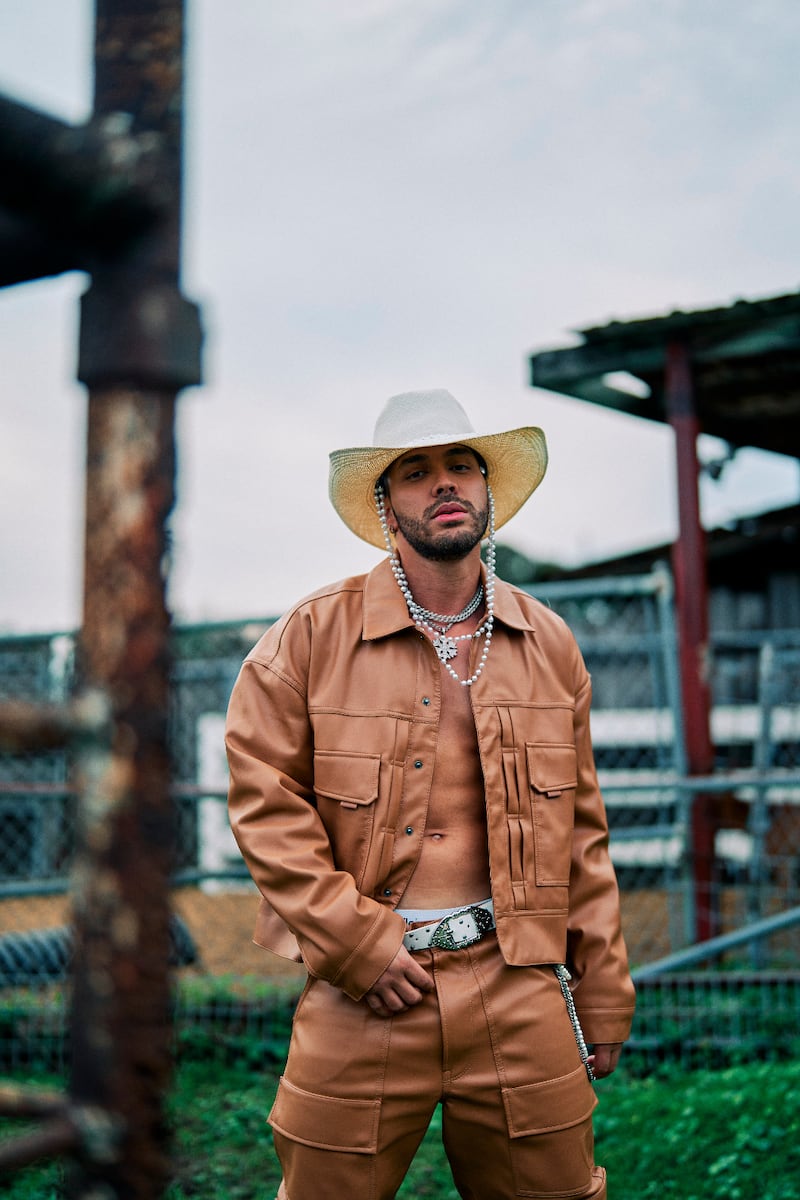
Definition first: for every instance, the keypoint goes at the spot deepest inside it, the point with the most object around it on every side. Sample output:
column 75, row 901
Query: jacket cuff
column 370, row 958
column 606, row 1026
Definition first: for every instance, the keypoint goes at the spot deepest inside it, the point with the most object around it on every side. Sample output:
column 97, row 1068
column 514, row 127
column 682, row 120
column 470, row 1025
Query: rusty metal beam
column 26, row 253
column 57, row 1134
column 107, row 197
column 25, row 726
column 140, row 343
column 93, row 187
column 65, row 1128
column 55, row 1137
column 137, row 328
column 21, row 1101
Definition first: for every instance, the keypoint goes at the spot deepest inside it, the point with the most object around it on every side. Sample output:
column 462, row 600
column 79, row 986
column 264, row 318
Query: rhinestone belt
column 455, row 931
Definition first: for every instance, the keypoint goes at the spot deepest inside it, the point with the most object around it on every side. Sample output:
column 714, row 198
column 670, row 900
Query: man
column 414, row 792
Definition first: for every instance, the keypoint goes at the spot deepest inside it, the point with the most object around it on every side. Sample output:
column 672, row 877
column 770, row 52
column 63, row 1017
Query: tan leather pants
column 493, row 1044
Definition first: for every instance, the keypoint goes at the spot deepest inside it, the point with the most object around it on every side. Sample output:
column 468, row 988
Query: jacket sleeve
column 597, row 957
column 344, row 937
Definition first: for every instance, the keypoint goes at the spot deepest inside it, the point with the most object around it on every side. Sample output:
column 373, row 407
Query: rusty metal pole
column 691, row 601
column 140, row 344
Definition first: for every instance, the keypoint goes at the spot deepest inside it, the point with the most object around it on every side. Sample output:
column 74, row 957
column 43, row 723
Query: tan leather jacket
column 331, row 738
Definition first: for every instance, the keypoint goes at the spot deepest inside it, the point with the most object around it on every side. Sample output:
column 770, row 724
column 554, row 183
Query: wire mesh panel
column 712, row 1018
column 774, row 816
column 36, row 802
column 206, row 662
column 625, row 629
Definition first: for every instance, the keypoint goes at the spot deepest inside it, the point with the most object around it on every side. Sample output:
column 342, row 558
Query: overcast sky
column 390, row 194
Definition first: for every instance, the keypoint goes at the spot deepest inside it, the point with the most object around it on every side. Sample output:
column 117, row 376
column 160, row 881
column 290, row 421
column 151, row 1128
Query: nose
column 444, row 483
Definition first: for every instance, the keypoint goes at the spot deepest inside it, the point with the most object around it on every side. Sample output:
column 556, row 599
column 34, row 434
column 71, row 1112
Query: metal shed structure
column 733, row 373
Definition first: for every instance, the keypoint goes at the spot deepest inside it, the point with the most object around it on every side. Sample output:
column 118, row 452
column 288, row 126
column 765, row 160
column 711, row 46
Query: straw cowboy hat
column 516, row 460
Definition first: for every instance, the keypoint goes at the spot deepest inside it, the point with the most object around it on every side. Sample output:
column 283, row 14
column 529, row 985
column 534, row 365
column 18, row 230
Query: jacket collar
column 385, row 610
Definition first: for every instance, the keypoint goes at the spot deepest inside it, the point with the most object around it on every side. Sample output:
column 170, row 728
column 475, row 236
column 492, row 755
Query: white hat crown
column 430, row 418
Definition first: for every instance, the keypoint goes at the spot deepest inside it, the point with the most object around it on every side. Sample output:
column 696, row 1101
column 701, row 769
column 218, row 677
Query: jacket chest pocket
column 346, row 786
column 553, row 778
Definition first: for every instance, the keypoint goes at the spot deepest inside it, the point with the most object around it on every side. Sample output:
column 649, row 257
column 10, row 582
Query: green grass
column 725, row 1135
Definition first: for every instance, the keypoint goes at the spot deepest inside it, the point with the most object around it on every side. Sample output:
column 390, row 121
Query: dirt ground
column 221, row 924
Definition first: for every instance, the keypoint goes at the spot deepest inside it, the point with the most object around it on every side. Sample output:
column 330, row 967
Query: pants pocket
column 326, row 1145
column 551, row 1139
column 325, row 1122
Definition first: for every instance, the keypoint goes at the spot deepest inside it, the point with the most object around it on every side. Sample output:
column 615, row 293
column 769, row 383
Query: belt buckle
column 471, row 923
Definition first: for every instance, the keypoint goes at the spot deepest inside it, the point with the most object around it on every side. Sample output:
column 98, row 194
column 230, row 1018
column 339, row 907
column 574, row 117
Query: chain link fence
column 626, row 630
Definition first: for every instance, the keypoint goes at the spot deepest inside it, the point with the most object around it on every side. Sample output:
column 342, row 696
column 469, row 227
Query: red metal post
column 691, row 599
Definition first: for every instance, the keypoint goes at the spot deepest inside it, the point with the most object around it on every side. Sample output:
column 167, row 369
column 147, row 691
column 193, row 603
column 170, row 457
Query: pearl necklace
column 447, row 647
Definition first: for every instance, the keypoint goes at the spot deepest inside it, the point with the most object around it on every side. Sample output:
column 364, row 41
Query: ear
column 391, row 521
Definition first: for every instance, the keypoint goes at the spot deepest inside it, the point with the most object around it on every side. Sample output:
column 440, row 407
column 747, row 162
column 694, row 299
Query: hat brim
column 516, row 462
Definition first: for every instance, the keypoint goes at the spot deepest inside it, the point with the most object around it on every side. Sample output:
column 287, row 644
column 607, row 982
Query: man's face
column 437, row 501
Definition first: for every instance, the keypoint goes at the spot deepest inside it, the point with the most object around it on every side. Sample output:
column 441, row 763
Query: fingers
column 388, row 1002
column 382, row 1009
column 388, row 998
column 415, row 974
column 605, row 1059
column 400, row 987
column 405, row 976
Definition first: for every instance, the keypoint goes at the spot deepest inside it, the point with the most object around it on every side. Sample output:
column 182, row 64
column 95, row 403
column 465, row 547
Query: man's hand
column 400, row 986
column 605, row 1058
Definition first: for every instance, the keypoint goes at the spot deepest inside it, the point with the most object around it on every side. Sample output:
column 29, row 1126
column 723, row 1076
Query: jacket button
column 409, row 830
column 418, row 763
column 426, row 700
column 387, row 891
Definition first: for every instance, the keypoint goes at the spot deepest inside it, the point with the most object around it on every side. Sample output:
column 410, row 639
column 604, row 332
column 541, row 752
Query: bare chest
column 453, row 867
column 457, row 792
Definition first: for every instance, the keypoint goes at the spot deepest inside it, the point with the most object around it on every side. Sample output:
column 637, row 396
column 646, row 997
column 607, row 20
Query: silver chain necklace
column 446, row 620
column 447, row 647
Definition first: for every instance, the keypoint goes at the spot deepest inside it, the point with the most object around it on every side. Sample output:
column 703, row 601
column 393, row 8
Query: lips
column 447, row 510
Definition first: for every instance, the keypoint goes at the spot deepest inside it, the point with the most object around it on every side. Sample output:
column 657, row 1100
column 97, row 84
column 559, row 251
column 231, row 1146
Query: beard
column 444, row 545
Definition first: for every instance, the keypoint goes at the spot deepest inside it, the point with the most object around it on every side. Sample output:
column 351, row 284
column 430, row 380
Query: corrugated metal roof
column 745, row 362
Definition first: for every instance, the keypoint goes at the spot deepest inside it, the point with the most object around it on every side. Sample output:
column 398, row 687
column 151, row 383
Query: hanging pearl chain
column 424, row 619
